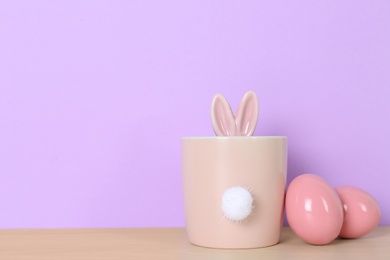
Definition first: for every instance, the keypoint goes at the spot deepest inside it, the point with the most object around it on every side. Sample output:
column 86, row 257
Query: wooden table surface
column 172, row 243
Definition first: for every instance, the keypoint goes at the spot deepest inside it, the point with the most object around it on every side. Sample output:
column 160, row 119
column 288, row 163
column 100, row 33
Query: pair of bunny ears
column 225, row 123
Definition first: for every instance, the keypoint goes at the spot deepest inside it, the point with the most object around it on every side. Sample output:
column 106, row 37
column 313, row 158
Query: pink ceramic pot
column 213, row 165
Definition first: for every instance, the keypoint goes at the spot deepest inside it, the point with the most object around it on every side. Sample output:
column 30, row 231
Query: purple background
column 95, row 96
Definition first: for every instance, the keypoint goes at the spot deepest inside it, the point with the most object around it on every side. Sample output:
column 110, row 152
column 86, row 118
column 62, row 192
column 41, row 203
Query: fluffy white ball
column 237, row 203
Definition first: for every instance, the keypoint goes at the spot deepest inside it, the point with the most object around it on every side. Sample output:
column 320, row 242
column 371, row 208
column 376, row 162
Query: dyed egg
column 361, row 212
column 313, row 209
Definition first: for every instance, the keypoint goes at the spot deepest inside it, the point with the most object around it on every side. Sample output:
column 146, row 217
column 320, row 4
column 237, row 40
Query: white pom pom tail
column 237, row 203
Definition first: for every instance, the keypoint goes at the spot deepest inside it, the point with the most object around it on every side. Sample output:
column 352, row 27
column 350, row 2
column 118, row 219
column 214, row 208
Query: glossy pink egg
column 361, row 212
column 313, row 209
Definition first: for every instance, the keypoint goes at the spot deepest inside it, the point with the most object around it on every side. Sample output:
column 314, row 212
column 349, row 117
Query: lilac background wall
column 95, row 96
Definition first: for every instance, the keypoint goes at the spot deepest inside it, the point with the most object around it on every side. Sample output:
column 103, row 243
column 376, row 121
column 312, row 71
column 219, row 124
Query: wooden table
column 171, row 243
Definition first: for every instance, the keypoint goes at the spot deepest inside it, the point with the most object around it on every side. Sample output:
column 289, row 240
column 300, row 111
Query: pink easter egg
column 361, row 212
column 313, row 209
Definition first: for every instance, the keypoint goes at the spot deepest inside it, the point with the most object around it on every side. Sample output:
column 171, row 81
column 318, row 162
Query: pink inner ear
column 247, row 113
column 222, row 117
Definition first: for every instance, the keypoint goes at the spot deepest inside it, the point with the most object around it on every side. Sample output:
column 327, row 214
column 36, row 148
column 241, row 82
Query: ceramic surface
column 212, row 165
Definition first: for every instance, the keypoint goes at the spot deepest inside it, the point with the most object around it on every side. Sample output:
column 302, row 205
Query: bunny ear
column 222, row 117
column 247, row 113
